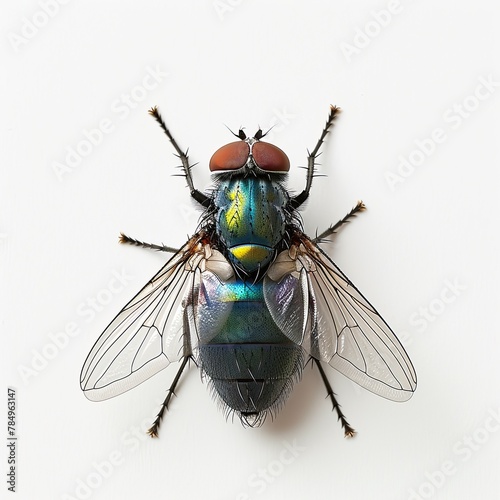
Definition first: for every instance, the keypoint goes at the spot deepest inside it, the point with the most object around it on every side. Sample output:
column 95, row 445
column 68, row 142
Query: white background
column 428, row 243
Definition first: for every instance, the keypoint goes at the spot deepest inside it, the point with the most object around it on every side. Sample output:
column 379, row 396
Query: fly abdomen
column 251, row 364
column 252, row 378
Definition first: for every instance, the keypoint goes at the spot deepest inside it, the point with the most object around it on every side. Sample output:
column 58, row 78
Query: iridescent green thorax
column 250, row 219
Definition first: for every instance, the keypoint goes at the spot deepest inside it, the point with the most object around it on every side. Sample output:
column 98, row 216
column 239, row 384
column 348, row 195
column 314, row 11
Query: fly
column 250, row 298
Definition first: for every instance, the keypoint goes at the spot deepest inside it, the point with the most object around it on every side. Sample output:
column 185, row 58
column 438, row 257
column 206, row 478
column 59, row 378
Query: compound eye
column 270, row 158
column 230, row 157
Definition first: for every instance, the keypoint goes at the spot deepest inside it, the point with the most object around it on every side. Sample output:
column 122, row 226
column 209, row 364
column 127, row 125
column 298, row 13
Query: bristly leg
column 201, row 198
column 153, row 430
column 348, row 430
column 296, row 201
column 132, row 241
column 360, row 207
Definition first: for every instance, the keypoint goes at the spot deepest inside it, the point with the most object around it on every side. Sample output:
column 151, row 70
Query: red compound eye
column 230, row 157
column 270, row 158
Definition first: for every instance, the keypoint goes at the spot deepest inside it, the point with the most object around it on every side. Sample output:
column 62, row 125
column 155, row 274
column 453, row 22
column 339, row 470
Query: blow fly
column 250, row 298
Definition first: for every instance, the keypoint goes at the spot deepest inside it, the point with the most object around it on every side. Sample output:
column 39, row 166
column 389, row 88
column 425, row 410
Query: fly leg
column 201, row 198
column 132, row 241
column 360, row 207
column 296, row 201
column 187, row 352
column 153, row 430
column 348, row 430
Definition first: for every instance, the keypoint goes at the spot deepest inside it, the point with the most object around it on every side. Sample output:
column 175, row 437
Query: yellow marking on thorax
column 232, row 215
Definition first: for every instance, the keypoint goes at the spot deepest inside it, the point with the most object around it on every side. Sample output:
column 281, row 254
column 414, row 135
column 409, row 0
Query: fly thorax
column 250, row 220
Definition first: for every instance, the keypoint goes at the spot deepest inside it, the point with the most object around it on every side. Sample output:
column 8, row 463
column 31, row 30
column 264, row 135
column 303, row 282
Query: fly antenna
column 240, row 135
column 259, row 134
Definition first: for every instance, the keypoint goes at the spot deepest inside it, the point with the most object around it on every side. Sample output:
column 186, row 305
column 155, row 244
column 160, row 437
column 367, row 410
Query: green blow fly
column 250, row 298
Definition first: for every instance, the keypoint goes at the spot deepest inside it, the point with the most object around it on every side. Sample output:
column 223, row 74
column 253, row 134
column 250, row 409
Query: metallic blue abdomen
column 250, row 362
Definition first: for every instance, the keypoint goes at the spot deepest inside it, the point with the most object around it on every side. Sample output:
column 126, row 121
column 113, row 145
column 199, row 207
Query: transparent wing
column 148, row 333
column 318, row 307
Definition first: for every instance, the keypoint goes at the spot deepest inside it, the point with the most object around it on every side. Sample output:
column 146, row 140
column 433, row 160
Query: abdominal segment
column 251, row 364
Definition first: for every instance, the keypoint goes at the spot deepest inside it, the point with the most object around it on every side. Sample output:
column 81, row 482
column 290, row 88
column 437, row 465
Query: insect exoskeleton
column 250, row 297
